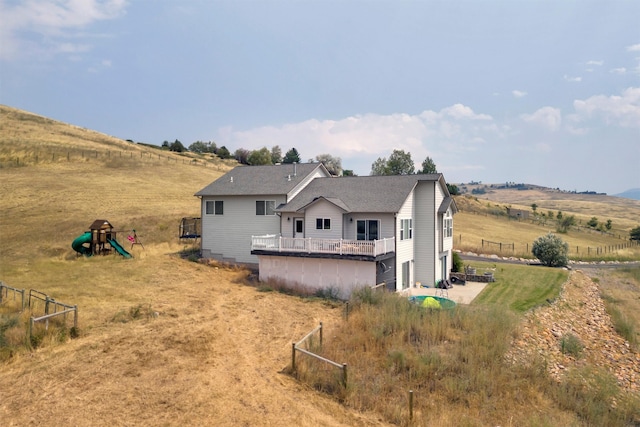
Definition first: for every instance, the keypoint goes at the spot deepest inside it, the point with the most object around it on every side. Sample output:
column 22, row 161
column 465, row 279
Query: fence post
column 29, row 330
column 410, row 405
column 320, row 334
column 347, row 311
column 344, row 374
column 1, row 291
column 293, row 356
column 75, row 317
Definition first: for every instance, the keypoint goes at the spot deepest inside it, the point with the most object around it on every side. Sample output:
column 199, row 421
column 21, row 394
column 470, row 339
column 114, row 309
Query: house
column 300, row 225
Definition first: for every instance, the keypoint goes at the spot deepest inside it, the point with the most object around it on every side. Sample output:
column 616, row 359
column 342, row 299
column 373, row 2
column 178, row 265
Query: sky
column 537, row 92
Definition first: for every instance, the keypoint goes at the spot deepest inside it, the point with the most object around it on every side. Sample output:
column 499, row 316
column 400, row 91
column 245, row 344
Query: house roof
column 446, row 203
column 256, row 180
column 360, row 193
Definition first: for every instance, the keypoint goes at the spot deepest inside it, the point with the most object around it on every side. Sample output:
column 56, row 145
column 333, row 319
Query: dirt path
column 212, row 355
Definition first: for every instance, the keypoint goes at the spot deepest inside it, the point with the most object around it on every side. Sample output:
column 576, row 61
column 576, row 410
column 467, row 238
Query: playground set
column 101, row 240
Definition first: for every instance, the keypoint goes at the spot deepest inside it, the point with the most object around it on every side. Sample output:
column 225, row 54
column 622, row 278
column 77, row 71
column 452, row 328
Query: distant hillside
column 634, row 194
column 624, row 212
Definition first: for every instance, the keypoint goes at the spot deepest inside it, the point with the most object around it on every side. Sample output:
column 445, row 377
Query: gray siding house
column 300, row 225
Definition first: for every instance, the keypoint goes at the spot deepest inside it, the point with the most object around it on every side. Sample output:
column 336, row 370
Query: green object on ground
column 78, row 244
column 430, row 302
column 115, row 245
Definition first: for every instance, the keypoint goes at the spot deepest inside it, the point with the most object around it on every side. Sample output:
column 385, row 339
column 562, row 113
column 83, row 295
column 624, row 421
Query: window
column 406, row 229
column 323, row 223
column 265, row 207
column 214, row 207
column 367, row 229
column 447, row 226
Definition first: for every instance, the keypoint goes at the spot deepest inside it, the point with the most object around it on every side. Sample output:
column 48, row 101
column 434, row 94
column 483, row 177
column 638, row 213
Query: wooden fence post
column 293, row 357
column 410, row 405
column 344, row 374
column 320, row 334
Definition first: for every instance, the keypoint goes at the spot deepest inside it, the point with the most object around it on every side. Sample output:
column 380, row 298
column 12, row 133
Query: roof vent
column 231, row 179
column 295, row 169
column 288, row 177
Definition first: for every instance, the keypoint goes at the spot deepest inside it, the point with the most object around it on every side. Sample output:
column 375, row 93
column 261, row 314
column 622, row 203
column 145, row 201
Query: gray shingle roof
column 257, row 180
column 360, row 193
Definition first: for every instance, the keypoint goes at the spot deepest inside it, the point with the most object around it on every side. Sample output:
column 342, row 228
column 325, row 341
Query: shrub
column 457, row 264
column 571, row 345
column 551, row 250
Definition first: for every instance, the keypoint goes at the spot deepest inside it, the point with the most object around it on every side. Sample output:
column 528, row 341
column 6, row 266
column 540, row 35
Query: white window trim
column 408, row 222
column 266, row 210
column 213, row 203
column 326, row 223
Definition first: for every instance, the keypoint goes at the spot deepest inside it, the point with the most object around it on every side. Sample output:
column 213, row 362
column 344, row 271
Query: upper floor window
column 447, row 225
column 406, row 229
column 323, row 223
column 265, row 207
column 214, row 207
column 367, row 229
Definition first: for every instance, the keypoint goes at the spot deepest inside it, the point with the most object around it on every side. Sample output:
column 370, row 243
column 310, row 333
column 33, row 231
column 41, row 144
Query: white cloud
column 572, row 79
column 594, row 62
column 39, row 27
column 634, row 48
column 518, row 93
column 615, row 110
column 620, row 70
column 549, row 118
column 455, row 129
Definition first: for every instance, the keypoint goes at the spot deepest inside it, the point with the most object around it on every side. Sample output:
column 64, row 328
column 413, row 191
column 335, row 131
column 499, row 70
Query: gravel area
column 579, row 311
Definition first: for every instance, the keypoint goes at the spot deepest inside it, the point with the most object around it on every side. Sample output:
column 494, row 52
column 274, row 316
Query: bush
column 551, row 250
column 457, row 264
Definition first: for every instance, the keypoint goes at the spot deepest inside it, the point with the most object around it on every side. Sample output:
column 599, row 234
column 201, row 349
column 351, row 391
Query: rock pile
column 579, row 311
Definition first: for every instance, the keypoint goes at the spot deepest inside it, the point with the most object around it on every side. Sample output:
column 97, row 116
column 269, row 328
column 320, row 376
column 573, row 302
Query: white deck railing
column 278, row 243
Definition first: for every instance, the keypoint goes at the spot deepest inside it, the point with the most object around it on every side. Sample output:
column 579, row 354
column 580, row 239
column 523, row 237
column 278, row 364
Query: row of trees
column 400, row 163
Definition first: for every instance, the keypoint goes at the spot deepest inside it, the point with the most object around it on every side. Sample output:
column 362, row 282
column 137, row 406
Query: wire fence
column 55, row 155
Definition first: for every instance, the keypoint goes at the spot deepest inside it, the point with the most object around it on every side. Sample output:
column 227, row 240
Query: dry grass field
column 485, row 219
column 162, row 340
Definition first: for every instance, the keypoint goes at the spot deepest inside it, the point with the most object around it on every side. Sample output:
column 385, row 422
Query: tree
column 634, row 234
column 333, row 164
column 291, row 156
column 608, row 225
column 565, row 223
column 203, row 147
column 593, row 222
column 276, row 154
column 551, row 250
column 428, row 166
column 223, row 153
column 453, row 189
column 559, row 216
column 550, row 214
column 260, row 157
column 242, row 156
column 165, row 145
column 177, row 146
column 379, row 167
column 399, row 163
column 534, row 207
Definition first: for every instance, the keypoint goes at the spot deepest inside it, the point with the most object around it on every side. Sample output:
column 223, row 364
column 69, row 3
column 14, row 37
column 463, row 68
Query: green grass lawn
column 520, row 287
